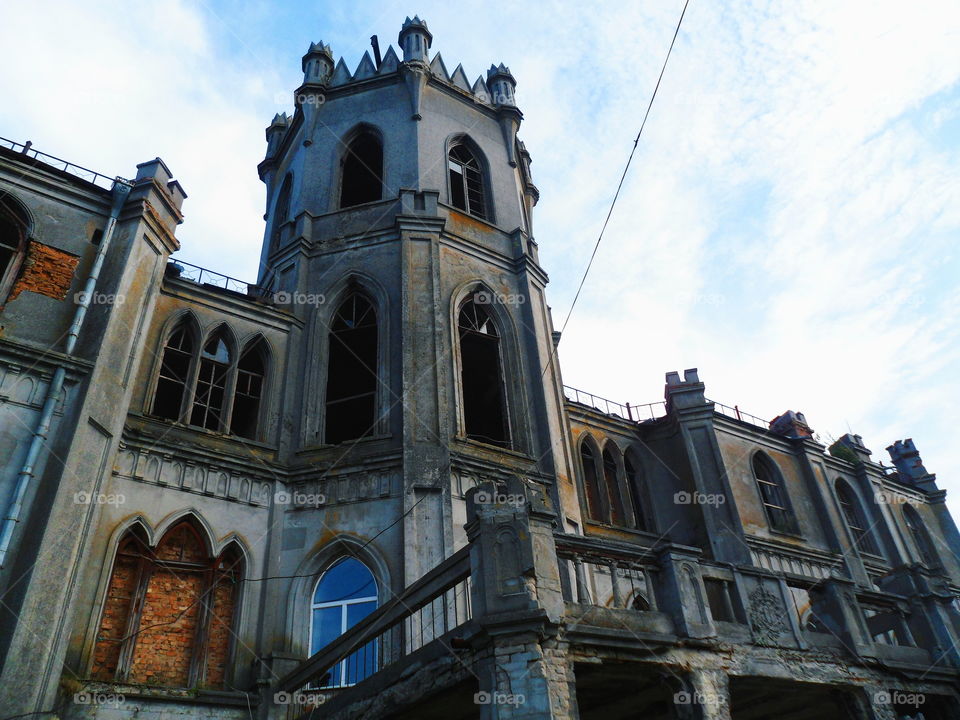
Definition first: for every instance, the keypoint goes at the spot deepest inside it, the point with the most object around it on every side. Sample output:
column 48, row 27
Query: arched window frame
column 229, row 378
column 855, row 517
column 766, row 489
column 365, row 656
column 921, row 538
column 611, row 462
column 492, row 311
column 345, row 149
column 483, row 168
column 637, row 487
column 281, row 211
column 596, row 505
column 258, row 343
column 16, row 212
column 217, row 565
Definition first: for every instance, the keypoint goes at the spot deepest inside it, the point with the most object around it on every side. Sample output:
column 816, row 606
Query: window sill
column 490, row 447
column 367, row 440
column 792, row 534
column 599, row 524
column 209, row 433
column 166, row 694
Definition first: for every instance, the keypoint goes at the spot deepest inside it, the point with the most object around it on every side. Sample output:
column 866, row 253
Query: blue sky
column 790, row 224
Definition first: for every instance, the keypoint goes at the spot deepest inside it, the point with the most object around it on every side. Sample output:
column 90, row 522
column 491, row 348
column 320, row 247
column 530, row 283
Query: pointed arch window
column 481, row 374
column 251, row 371
column 773, row 495
column 362, row 178
column 854, row 516
column 591, row 482
column 611, row 480
column 351, row 406
column 210, row 393
column 466, row 181
column 13, row 240
column 169, row 614
column 281, row 213
column 345, row 594
column 174, row 374
column 921, row 537
column 635, row 486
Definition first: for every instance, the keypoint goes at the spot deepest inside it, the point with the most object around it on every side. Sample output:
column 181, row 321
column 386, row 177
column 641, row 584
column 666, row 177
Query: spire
column 317, row 64
column 415, row 40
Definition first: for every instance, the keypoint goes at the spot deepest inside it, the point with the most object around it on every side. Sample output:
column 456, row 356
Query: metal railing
column 99, row 179
column 202, row 276
column 737, row 414
column 634, row 413
column 434, row 605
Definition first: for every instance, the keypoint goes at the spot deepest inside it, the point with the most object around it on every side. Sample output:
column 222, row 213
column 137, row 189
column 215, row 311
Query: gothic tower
column 399, row 205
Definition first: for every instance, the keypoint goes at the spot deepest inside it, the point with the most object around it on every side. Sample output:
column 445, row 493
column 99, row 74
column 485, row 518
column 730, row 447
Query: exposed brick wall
column 221, row 621
column 47, row 271
column 168, row 627
column 116, row 615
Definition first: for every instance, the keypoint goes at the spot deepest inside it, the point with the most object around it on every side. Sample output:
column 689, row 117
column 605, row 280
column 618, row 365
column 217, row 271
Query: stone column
column 702, row 694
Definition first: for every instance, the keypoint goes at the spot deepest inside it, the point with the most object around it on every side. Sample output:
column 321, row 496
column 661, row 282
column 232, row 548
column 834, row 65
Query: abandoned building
column 357, row 487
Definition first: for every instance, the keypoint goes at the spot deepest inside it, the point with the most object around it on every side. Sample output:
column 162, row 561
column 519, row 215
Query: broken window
column 481, row 376
column 590, row 482
column 352, row 371
column 168, row 615
column 208, row 399
column 345, row 594
column 13, row 234
column 921, row 537
column 174, row 372
column 772, row 494
column 362, row 171
column 854, row 516
column 466, row 181
column 281, row 213
column 635, row 487
column 251, row 371
column 617, row 516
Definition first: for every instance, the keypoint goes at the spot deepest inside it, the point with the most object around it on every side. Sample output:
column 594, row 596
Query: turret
column 502, row 85
column 415, row 40
column 317, row 64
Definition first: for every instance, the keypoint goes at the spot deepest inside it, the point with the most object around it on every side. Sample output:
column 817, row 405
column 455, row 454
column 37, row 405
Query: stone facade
column 359, row 488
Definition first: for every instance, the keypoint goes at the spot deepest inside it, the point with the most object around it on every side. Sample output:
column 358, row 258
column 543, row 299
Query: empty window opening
column 718, row 598
column 345, row 594
column 174, row 371
column 635, row 486
column 13, row 233
column 249, row 390
column 169, row 613
column 281, row 212
column 617, row 516
column 466, row 181
column 362, row 171
column 772, row 494
column 921, row 537
column 481, row 376
column 352, row 373
column 590, row 482
column 209, row 397
column 855, row 518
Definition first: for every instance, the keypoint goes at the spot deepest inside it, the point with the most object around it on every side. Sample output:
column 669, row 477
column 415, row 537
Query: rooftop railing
column 737, row 414
column 634, row 413
column 99, row 179
column 202, row 276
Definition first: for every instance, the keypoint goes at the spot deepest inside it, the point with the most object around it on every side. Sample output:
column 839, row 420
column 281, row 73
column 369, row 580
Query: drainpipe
column 120, row 191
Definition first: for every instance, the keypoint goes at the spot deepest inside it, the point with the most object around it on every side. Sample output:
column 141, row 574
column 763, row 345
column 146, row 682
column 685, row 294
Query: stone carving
column 767, row 617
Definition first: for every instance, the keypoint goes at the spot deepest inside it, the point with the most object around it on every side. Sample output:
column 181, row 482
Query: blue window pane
column 327, row 624
column 347, row 579
column 358, row 611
